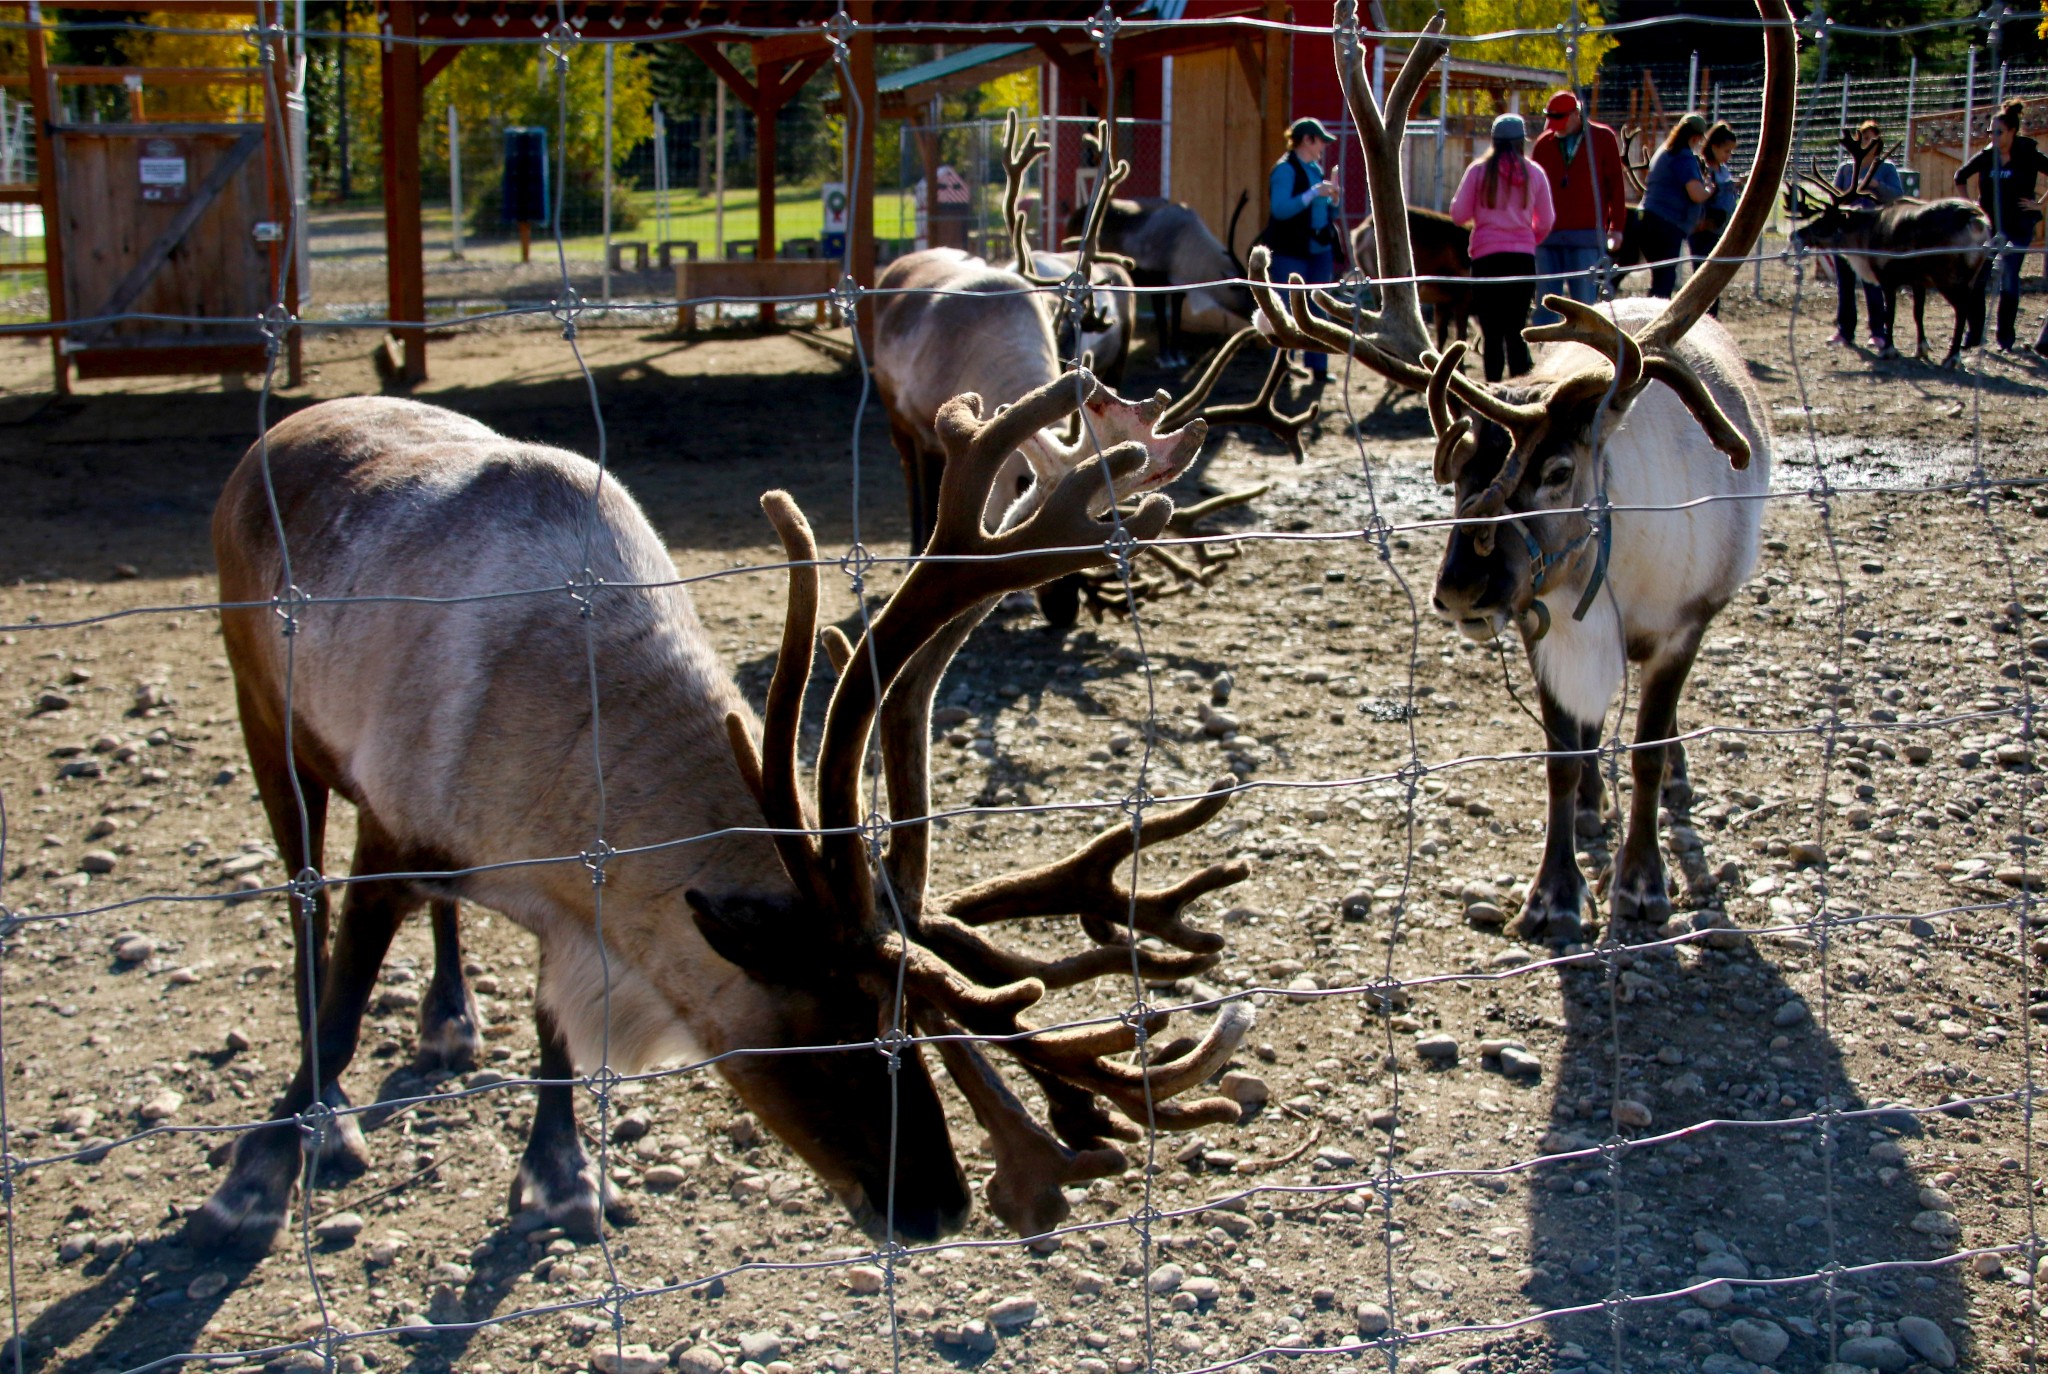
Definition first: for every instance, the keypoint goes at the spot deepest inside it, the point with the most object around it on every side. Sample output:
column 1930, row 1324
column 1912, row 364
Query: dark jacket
column 1297, row 235
column 2000, row 189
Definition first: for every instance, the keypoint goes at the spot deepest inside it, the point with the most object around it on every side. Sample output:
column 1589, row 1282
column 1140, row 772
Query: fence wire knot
column 891, row 1044
column 839, row 30
column 287, row 606
column 847, row 295
column 874, row 832
column 1134, row 802
column 601, row 1082
column 1120, row 546
column 595, row 858
column 856, row 563
column 1102, row 28
column 10, row 921
column 582, row 589
column 316, row 1122
column 304, row 889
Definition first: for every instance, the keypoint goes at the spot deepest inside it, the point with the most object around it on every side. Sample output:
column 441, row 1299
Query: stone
column 1631, row 1113
column 975, row 1337
column 1714, row 1296
column 1203, row 1289
column 636, row 1358
column 182, row 977
column 206, row 1285
column 1881, row 1353
column 1724, row 1264
column 1437, row 1048
column 1356, row 906
column 1486, row 914
column 134, row 949
column 761, row 1346
column 864, row 1280
column 340, row 1229
column 1716, row 929
column 632, row 1126
column 1791, row 1013
column 696, row 1359
column 663, row 1178
column 1372, row 1319
column 1517, row 1062
column 97, row 861
column 1247, row 1090
column 237, row 1040
column 1942, row 1225
column 1928, row 1341
column 75, row 1245
column 162, row 1106
column 1757, row 1340
column 1013, row 1313
column 53, row 701
column 1167, row 1278
column 1088, row 1283
column 1935, row 1200
column 386, row 1249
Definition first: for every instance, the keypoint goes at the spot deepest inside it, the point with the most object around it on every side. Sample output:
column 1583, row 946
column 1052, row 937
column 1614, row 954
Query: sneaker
column 1878, row 343
column 1840, row 339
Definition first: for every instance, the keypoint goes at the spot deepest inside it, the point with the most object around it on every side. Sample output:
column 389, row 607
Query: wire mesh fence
column 1825, row 1259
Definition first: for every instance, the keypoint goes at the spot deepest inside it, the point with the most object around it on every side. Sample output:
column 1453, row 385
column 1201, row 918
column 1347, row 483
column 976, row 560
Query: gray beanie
column 1510, row 126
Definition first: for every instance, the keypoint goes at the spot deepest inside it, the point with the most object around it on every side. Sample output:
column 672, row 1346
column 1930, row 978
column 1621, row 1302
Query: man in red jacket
column 1583, row 162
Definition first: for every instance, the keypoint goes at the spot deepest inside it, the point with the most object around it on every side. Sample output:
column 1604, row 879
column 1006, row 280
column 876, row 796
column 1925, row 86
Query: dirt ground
column 122, row 772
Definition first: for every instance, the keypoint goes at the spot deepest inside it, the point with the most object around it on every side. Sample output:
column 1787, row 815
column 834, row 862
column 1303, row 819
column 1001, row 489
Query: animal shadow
column 1720, row 1036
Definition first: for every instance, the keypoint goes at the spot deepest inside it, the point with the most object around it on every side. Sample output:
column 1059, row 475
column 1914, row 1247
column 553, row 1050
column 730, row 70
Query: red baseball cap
column 1562, row 104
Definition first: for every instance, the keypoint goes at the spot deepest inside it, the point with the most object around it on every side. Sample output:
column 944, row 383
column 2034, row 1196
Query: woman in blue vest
column 1673, row 194
column 1300, row 225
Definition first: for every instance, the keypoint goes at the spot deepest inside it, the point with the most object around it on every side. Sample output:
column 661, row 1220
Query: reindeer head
column 1834, row 218
column 877, row 951
column 1522, row 457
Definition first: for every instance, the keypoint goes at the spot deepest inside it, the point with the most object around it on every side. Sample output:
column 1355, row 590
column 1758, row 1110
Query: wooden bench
column 664, row 252
column 746, row 279
column 618, row 256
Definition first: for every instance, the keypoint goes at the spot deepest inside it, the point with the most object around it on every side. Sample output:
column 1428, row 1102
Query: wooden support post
column 42, row 95
column 404, row 247
column 860, row 239
column 1279, row 92
column 764, row 189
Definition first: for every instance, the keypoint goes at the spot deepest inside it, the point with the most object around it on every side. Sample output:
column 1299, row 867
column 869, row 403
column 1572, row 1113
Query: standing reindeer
column 461, row 723
column 1647, row 405
column 1908, row 243
column 1168, row 245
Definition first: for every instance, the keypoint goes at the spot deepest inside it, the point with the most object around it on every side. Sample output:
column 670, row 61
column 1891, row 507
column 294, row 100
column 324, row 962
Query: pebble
column 1757, row 1340
column 53, row 701
column 696, row 1359
column 1629, row 1112
column 1486, row 914
column 1437, row 1048
column 238, row 1040
column 761, row 1346
column 1356, row 906
column 1928, row 1341
column 1088, row 1283
column 1939, row 1224
column 1806, row 854
column 162, row 1106
column 386, row 1249
column 1372, row 1319
column 340, row 1229
column 1790, row 1013
column 182, row 977
column 1881, row 1353
column 865, row 1280
column 1517, row 1062
column 632, row 1126
column 1202, row 1289
column 1724, row 1264
column 1935, row 1200
column 1219, row 690
column 74, row 1245
column 97, row 861
column 628, row 1359
column 665, row 1177
column 1167, row 1278
column 1720, row 932
column 1714, row 1296
column 133, row 949
column 1014, row 1312
column 974, row 1337
column 206, row 1285
column 1245, row 1089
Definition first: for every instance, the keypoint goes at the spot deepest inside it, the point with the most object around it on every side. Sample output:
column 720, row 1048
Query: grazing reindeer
column 1442, row 249
column 1169, row 246
column 1947, row 240
column 1649, row 406
column 459, row 722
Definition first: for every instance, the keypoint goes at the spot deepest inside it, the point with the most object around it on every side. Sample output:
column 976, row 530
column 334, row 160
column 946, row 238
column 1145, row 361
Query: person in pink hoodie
column 1505, row 201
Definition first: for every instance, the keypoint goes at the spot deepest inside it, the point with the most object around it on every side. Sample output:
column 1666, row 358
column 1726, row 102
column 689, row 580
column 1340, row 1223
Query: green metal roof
column 950, row 65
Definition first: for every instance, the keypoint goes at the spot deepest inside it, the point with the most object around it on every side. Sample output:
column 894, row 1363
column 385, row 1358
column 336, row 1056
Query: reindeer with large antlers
column 1647, row 406
column 460, row 722
column 951, row 324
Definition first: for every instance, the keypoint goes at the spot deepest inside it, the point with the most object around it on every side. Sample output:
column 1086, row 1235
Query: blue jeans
column 1317, row 269
column 1566, row 270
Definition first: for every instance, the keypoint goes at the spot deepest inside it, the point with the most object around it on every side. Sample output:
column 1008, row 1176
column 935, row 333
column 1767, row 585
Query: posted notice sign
column 164, row 171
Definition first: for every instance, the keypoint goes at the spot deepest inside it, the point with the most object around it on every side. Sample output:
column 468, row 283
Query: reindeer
column 1442, row 250
column 1169, row 246
column 1907, row 243
column 1647, row 405
column 951, row 324
column 459, row 722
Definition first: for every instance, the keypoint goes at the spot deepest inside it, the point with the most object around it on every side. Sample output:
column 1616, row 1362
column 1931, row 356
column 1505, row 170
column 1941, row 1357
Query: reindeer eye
column 1557, row 472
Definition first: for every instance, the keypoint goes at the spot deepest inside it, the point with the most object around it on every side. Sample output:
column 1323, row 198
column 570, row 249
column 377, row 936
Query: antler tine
column 1290, row 324
column 1085, row 883
column 1262, row 410
column 1021, row 147
column 985, row 961
column 1583, row 324
column 1774, row 151
column 1455, row 442
column 780, row 792
column 906, row 763
column 1027, row 1191
column 1191, row 402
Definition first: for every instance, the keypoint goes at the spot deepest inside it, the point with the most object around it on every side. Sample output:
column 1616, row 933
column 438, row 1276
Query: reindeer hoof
column 545, row 1194
column 449, row 1039
column 342, row 1153
column 1639, row 900
column 1552, row 918
column 246, row 1214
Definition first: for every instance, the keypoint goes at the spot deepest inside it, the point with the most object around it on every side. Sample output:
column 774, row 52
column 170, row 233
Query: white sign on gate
column 835, row 207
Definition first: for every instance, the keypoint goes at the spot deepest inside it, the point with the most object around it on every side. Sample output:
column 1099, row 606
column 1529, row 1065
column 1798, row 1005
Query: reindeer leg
column 1592, row 787
column 557, row 1182
column 1639, row 893
column 1558, row 893
column 449, row 1038
column 246, row 1213
column 1919, row 322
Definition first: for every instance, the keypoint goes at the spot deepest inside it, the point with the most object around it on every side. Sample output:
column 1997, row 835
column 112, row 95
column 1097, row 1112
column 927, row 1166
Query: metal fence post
column 455, row 181
column 1969, row 103
column 1443, row 125
column 1692, row 83
column 607, row 215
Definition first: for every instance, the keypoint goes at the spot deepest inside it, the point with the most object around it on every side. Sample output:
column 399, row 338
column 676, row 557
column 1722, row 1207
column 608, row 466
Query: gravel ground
column 1880, row 660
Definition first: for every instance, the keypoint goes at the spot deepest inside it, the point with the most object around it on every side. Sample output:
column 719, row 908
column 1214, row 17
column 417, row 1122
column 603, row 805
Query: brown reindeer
column 1648, row 406
column 463, row 724
column 1443, row 252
